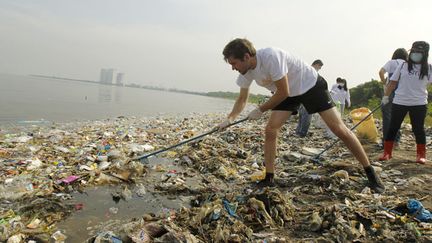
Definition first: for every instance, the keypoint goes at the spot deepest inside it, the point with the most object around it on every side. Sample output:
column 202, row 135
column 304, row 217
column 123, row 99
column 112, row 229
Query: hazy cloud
column 179, row 43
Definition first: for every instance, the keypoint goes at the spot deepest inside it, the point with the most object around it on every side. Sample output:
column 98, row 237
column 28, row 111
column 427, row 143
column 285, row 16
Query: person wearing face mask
column 293, row 83
column 400, row 55
column 340, row 94
column 411, row 96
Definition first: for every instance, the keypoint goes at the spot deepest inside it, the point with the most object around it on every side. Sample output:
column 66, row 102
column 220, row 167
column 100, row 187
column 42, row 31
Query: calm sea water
column 27, row 99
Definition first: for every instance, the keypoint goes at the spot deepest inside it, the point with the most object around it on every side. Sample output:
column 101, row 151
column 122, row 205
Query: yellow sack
column 367, row 128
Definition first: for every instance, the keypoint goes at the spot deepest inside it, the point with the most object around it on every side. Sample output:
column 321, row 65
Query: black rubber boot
column 268, row 181
column 375, row 182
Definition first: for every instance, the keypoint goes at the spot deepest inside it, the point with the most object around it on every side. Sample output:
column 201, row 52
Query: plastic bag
column 416, row 208
column 367, row 128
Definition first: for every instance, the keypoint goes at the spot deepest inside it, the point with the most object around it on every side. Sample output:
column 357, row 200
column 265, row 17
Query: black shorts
column 316, row 99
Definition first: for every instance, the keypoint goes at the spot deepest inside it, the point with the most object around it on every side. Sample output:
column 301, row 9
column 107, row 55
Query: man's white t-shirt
column 272, row 65
column 390, row 67
column 411, row 89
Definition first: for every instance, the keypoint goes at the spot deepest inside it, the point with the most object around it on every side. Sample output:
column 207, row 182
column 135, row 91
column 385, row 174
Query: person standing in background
column 400, row 55
column 304, row 117
column 411, row 96
column 340, row 94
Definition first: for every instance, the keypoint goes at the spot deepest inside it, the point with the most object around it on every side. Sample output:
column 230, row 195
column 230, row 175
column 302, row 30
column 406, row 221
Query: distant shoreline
column 253, row 98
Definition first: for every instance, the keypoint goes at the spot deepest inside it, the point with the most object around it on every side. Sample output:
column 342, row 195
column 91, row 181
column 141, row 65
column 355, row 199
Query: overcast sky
column 178, row 43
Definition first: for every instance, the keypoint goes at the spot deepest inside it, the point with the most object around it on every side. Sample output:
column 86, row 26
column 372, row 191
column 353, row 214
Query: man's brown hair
column 237, row 48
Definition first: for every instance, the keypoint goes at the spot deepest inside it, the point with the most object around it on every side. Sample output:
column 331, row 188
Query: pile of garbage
column 42, row 167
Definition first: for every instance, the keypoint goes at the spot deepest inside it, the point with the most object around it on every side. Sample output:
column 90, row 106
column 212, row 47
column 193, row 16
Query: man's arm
column 381, row 73
column 240, row 104
column 280, row 95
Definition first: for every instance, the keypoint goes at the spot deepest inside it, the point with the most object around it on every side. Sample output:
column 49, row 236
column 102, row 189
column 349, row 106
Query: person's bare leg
column 276, row 121
column 336, row 125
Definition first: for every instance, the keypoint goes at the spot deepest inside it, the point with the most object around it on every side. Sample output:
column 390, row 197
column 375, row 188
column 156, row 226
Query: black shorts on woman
column 315, row 100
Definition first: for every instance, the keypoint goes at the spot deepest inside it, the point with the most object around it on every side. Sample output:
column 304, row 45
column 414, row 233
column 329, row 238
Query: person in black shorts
column 293, row 82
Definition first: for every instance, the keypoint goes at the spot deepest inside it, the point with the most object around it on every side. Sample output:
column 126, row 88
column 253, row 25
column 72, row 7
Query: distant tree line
column 253, row 98
column 370, row 93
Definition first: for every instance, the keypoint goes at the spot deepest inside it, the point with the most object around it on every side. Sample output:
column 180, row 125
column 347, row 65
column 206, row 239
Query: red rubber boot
column 388, row 148
column 421, row 153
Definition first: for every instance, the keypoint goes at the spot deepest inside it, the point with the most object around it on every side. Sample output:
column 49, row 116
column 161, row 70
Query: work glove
column 223, row 125
column 385, row 100
column 255, row 114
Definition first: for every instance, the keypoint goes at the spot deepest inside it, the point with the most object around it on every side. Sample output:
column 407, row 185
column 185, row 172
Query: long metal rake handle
column 354, row 127
column 185, row 141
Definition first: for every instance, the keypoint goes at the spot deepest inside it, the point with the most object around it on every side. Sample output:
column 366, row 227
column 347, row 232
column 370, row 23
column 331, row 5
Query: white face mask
column 416, row 57
column 341, row 84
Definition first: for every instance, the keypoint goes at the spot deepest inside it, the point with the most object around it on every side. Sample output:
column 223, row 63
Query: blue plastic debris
column 231, row 208
column 416, row 209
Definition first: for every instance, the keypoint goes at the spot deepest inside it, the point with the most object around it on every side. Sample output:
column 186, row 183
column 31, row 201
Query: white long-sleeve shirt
column 340, row 95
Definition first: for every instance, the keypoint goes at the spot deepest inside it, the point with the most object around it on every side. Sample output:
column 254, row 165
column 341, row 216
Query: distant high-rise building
column 103, row 75
column 106, row 75
column 120, row 78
